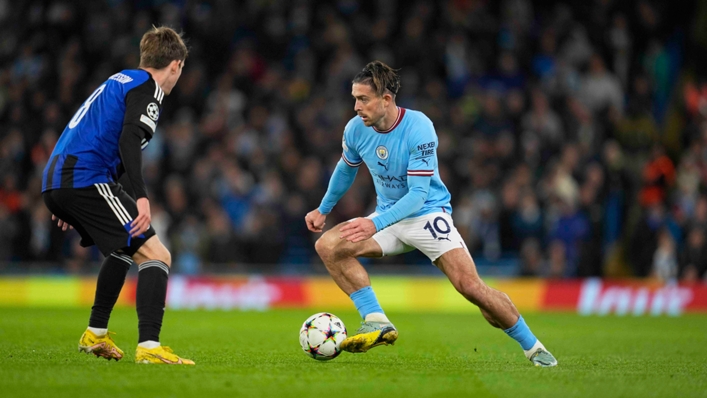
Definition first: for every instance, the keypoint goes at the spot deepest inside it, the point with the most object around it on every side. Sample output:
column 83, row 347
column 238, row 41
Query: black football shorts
column 101, row 214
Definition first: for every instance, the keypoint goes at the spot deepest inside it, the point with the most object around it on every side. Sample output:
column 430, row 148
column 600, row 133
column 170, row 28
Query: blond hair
column 160, row 46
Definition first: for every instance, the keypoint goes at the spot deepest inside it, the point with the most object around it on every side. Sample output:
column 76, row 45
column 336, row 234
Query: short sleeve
column 423, row 150
column 350, row 154
column 143, row 106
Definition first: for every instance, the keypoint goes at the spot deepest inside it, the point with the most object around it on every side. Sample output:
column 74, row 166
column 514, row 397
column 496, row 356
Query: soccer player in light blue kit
column 399, row 147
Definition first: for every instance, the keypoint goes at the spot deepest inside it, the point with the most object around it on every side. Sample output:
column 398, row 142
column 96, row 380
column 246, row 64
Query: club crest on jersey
column 382, row 152
column 153, row 111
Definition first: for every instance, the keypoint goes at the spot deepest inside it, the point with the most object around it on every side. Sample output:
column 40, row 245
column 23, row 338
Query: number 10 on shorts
column 438, row 227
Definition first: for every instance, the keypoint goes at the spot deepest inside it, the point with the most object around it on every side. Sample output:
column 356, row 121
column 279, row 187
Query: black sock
column 110, row 282
column 151, row 295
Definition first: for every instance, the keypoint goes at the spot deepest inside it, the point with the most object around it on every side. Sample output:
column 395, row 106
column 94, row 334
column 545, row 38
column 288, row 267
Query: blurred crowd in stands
column 573, row 138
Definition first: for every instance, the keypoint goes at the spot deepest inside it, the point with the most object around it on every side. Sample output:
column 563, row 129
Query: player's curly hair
column 160, row 46
column 379, row 76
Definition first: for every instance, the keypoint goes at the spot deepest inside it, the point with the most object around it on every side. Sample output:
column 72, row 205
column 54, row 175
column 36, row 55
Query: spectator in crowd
column 527, row 220
column 645, row 239
column 543, row 124
column 531, row 259
column 693, row 258
column 557, row 260
column 665, row 261
column 601, row 90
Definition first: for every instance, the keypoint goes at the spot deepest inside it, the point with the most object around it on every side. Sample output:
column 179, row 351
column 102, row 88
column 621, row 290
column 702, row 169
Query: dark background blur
column 573, row 138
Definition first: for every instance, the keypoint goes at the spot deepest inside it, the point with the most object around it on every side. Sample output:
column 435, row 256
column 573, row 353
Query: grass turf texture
column 257, row 354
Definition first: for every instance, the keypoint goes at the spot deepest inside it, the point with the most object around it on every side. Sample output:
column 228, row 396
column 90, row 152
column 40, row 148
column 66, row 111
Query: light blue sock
column 521, row 333
column 366, row 302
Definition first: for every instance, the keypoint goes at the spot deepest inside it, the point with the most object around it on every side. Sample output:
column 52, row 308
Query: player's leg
column 340, row 258
column 110, row 282
column 96, row 339
column 435, row 235
column 154, row 262
column 496, row 306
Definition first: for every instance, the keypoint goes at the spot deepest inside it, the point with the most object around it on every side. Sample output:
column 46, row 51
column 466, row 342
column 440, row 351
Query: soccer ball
column 321, row 336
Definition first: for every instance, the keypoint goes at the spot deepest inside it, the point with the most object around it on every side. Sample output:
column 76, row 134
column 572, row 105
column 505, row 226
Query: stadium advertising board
column 253, row 293
column 630, row 297
column 411, row 294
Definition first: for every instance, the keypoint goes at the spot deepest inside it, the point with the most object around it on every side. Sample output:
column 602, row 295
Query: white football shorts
column 433, row 234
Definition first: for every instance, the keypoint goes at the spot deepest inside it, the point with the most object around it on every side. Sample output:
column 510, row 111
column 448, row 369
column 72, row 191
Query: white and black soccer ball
column 321, row 336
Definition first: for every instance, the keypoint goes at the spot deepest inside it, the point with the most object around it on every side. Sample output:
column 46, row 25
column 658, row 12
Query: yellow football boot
column 100, row 346
column 160, row 355
column 369, row 335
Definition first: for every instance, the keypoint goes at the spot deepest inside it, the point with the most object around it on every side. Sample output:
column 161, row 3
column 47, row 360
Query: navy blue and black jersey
column 104, row 137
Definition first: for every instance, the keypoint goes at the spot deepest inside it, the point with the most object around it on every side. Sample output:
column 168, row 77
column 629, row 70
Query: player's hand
column 358, row 230
column 142, row 222
column 315, row 220
column 62, row 224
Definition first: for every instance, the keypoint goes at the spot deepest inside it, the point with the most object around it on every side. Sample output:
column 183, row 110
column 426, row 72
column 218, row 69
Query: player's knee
column 154, row 250
column 162, row 254
column 166, row 257
column 329, row 246
column 323, row 246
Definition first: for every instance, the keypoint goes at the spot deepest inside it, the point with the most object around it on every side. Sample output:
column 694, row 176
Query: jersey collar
column 401, row 113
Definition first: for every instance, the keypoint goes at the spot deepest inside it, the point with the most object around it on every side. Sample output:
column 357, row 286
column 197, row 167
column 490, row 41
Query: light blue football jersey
column 408, row 148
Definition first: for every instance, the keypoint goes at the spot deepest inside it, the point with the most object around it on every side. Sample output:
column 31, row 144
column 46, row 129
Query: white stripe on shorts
column 115, row 205
column 118, row 204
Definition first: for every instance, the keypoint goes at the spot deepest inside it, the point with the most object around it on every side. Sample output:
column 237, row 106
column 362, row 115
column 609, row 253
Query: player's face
column 369, row 106
column 175, row 71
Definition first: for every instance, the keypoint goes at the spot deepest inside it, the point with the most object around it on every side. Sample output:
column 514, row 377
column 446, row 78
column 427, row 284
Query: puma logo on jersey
column 385, row 166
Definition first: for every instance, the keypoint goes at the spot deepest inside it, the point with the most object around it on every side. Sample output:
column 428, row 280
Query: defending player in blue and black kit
column 103, row 141
column 399, row 147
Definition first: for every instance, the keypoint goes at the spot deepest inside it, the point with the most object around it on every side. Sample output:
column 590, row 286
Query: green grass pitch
column 257, row 354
